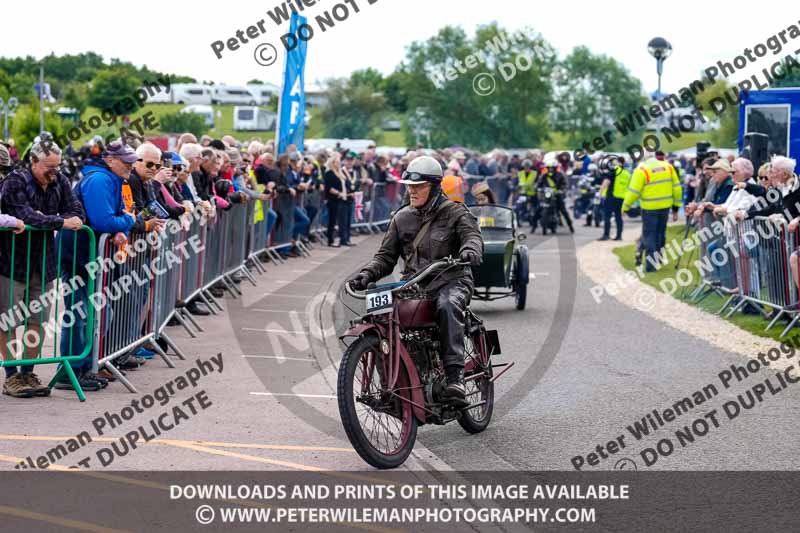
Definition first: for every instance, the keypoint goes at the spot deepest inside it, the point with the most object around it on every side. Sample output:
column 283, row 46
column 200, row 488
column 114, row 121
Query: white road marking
column 276, row 331
column 280, row 358
column 534, row 274
column 326, row 396
column 284, row 311
column 284, row 295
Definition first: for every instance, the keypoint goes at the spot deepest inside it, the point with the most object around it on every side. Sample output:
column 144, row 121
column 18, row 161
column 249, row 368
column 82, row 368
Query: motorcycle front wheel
column 381, row 427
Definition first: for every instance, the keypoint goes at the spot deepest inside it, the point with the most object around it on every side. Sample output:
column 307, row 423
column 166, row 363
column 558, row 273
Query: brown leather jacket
column 453, row 230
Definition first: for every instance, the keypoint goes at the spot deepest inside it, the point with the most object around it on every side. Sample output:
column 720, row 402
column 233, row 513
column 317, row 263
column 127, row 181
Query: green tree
column 791, row 80
column 182, row 123
column 393, row 90
column 369, row 77
column 21, row 86
column 25, row 125
column 114, row 89
column 592, row 91
column 76, row 97
column 353, row 111
column 728, row 131
column 515, row 111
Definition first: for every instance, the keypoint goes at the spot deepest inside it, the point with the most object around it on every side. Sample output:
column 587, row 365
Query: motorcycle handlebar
column 353, row 293
column 448, row 261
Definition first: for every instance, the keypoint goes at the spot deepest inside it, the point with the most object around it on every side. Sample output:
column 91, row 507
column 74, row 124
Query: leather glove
column 469, row 256
column 360, row 281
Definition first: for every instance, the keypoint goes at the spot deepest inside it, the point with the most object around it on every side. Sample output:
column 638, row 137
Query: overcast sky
column 173, row 36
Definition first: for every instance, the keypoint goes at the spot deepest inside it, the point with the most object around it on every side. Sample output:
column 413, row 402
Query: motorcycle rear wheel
column 382, row 439
column 476, row 419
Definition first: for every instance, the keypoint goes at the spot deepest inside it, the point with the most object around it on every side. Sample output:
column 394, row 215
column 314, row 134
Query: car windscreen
column 493, row 216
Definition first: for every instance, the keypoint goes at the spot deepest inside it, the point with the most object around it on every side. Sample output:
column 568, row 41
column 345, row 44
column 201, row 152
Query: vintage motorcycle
column 391, row 376
column 549, row 214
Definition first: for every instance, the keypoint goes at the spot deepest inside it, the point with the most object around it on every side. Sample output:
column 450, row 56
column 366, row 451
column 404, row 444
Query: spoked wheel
column 380, row 426
column 479, row 389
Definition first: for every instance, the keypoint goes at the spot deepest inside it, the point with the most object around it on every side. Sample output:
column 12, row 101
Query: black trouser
column 612, row 206
column 345, row 221
column 451, row 305
column 534, row 212
column 654, row 230
column 333, row 216
column 561, row 207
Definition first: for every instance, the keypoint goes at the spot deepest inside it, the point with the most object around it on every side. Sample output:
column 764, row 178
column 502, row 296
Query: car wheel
column 523, row 277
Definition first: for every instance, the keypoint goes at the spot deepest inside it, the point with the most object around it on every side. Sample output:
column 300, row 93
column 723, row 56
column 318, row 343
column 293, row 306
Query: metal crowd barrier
column 52, row 314
column 708, row 284
column 134, row 294
column 141, row 288
column 760, row 251
column 283, row 205
column 385, row 198
column 258, row 241
column 241, row 216
column 316, row 199
column 191, row 285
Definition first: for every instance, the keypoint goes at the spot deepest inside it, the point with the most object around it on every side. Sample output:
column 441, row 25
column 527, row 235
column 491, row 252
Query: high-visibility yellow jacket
column 527, row 182
column 656, row 184
column 621, row 181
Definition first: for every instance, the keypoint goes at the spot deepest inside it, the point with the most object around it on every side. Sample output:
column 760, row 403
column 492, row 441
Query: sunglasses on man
column 150, row 165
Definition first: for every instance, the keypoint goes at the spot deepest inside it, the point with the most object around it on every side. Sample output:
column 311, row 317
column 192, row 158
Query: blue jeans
column 346, row 211
column 311, row 211
column 724, row 273
column 301, row 223
column 271, row 216
column 73, row 338
column 654, row 234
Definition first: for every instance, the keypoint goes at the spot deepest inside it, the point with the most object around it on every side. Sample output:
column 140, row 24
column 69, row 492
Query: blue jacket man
column 101, row 193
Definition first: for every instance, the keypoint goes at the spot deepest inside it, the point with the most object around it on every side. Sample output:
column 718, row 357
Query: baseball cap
column 295, row 156
column 176, row 159
column 122, row 151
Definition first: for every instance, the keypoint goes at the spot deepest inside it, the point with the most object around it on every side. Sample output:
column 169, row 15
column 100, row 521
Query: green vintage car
column 504, row 271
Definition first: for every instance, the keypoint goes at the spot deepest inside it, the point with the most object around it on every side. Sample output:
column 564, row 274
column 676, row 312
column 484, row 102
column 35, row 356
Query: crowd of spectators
column 132, row 185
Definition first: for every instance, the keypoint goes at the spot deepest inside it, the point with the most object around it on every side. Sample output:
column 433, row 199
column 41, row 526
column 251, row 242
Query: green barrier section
column 32, row 234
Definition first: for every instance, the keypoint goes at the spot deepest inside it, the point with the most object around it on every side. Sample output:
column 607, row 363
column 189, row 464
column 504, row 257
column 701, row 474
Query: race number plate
column 379, row 301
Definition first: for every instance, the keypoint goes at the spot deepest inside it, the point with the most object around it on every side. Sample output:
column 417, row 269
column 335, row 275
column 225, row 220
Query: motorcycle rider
column 429, row 228
column 526, row 179
column 554, row 179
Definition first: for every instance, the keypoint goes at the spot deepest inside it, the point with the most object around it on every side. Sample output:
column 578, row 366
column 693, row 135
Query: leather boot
column 454, row 391
column 194, row 309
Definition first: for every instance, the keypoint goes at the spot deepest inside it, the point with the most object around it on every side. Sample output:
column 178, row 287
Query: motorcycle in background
column 547, row 205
